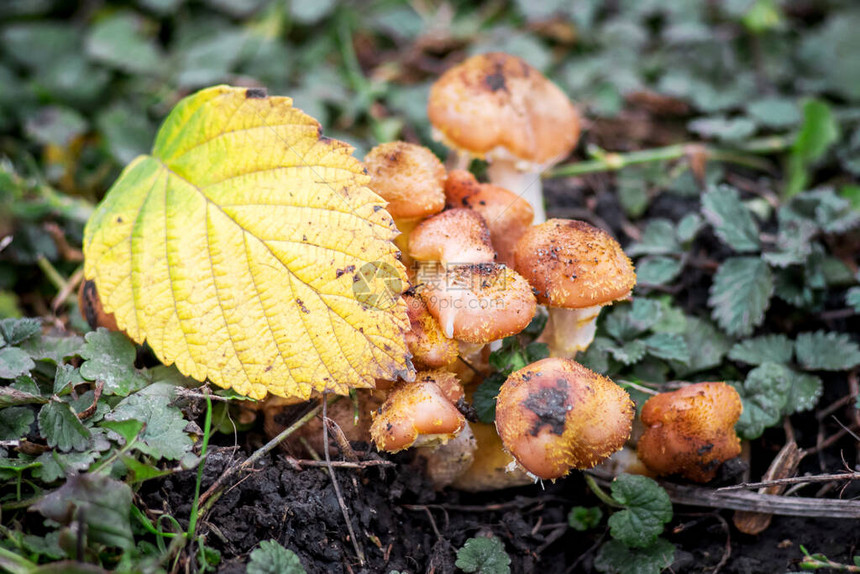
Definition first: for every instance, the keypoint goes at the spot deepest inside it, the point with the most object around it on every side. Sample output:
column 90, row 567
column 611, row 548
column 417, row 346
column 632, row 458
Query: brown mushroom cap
column 409, row 177
column 415, row 414
column 497, row 104
column 429, row 346
column 479, row 303
column 457, row 236
column 573, row 264
column 555, row 415
column 506, row 214
column 691, row 431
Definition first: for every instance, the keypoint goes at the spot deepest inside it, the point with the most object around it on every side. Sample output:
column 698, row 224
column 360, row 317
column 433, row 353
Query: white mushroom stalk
column 526, row 183
column 570, row 331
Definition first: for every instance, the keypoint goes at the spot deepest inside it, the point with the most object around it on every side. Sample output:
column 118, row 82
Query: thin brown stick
column 794, row 480
column 355, row 544
column 299, row 463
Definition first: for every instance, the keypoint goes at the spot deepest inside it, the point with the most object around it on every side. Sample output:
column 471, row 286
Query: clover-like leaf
column 15, row 422
column 248, row 249
column 657, row 270
column 616, row 558
column 61, row 428
column 272, row 558
column 14, row 362
column 164, row 434
column 110, row 359
column 827, row 351
column 647, row 509
column 765, row 394
column 484, row 556
column 15, row 331
column 740, row 294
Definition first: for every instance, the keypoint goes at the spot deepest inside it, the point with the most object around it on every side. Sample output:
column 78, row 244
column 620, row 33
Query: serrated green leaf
column 52, row 348
column 272, row 558
column 110, row 358
column 764, row 395
column 672, row 319
column 47, row 546
column 14, row 362
column 15, row 422
column 16, row 331
column 658, row 238
column 583, row 518
column 66, row 378
column 484, row 556
column 624, row 322
column 804, row 394
column 61, row 428
column 647, row 510
column 709, row 346
column 827, row 351
column 164, row 435
column 657, row 270
column 764, row 349
column 688, row 227
column 57, row 465
column 794, row 242
column 669, row 346
column 484, row 398
column 102, row 503
column 740, row 294
column 732, row 221
column 616, row 558
column 629, row 353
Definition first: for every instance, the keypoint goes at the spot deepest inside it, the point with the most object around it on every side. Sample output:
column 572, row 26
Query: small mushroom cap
column 91, row 307
column 573, row 264
column 506, row 214
column 409, row 177
column 457, row 236
column 415, row 414
column 496, row 105
column 555, row 415
column 691, row 431
column 429, row 346
column 479, row 303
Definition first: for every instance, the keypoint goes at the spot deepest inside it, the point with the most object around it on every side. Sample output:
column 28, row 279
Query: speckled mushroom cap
column 496, row 105
column 429, row 346
column 691, row 431
column 480, row 303
column 506, row 214
column 555, row 415
column 573, row 264
column 415, row 414
column 457, row 236
column 409, row 177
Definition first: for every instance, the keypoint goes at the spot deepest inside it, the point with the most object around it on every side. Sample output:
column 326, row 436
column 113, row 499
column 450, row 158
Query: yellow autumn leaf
column 248, row 250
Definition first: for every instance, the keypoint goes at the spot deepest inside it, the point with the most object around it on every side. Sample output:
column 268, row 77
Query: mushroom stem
column 526, row 184
column 569, row 331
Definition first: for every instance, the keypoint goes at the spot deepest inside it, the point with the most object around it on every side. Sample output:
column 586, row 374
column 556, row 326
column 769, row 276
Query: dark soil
column 402, row 525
